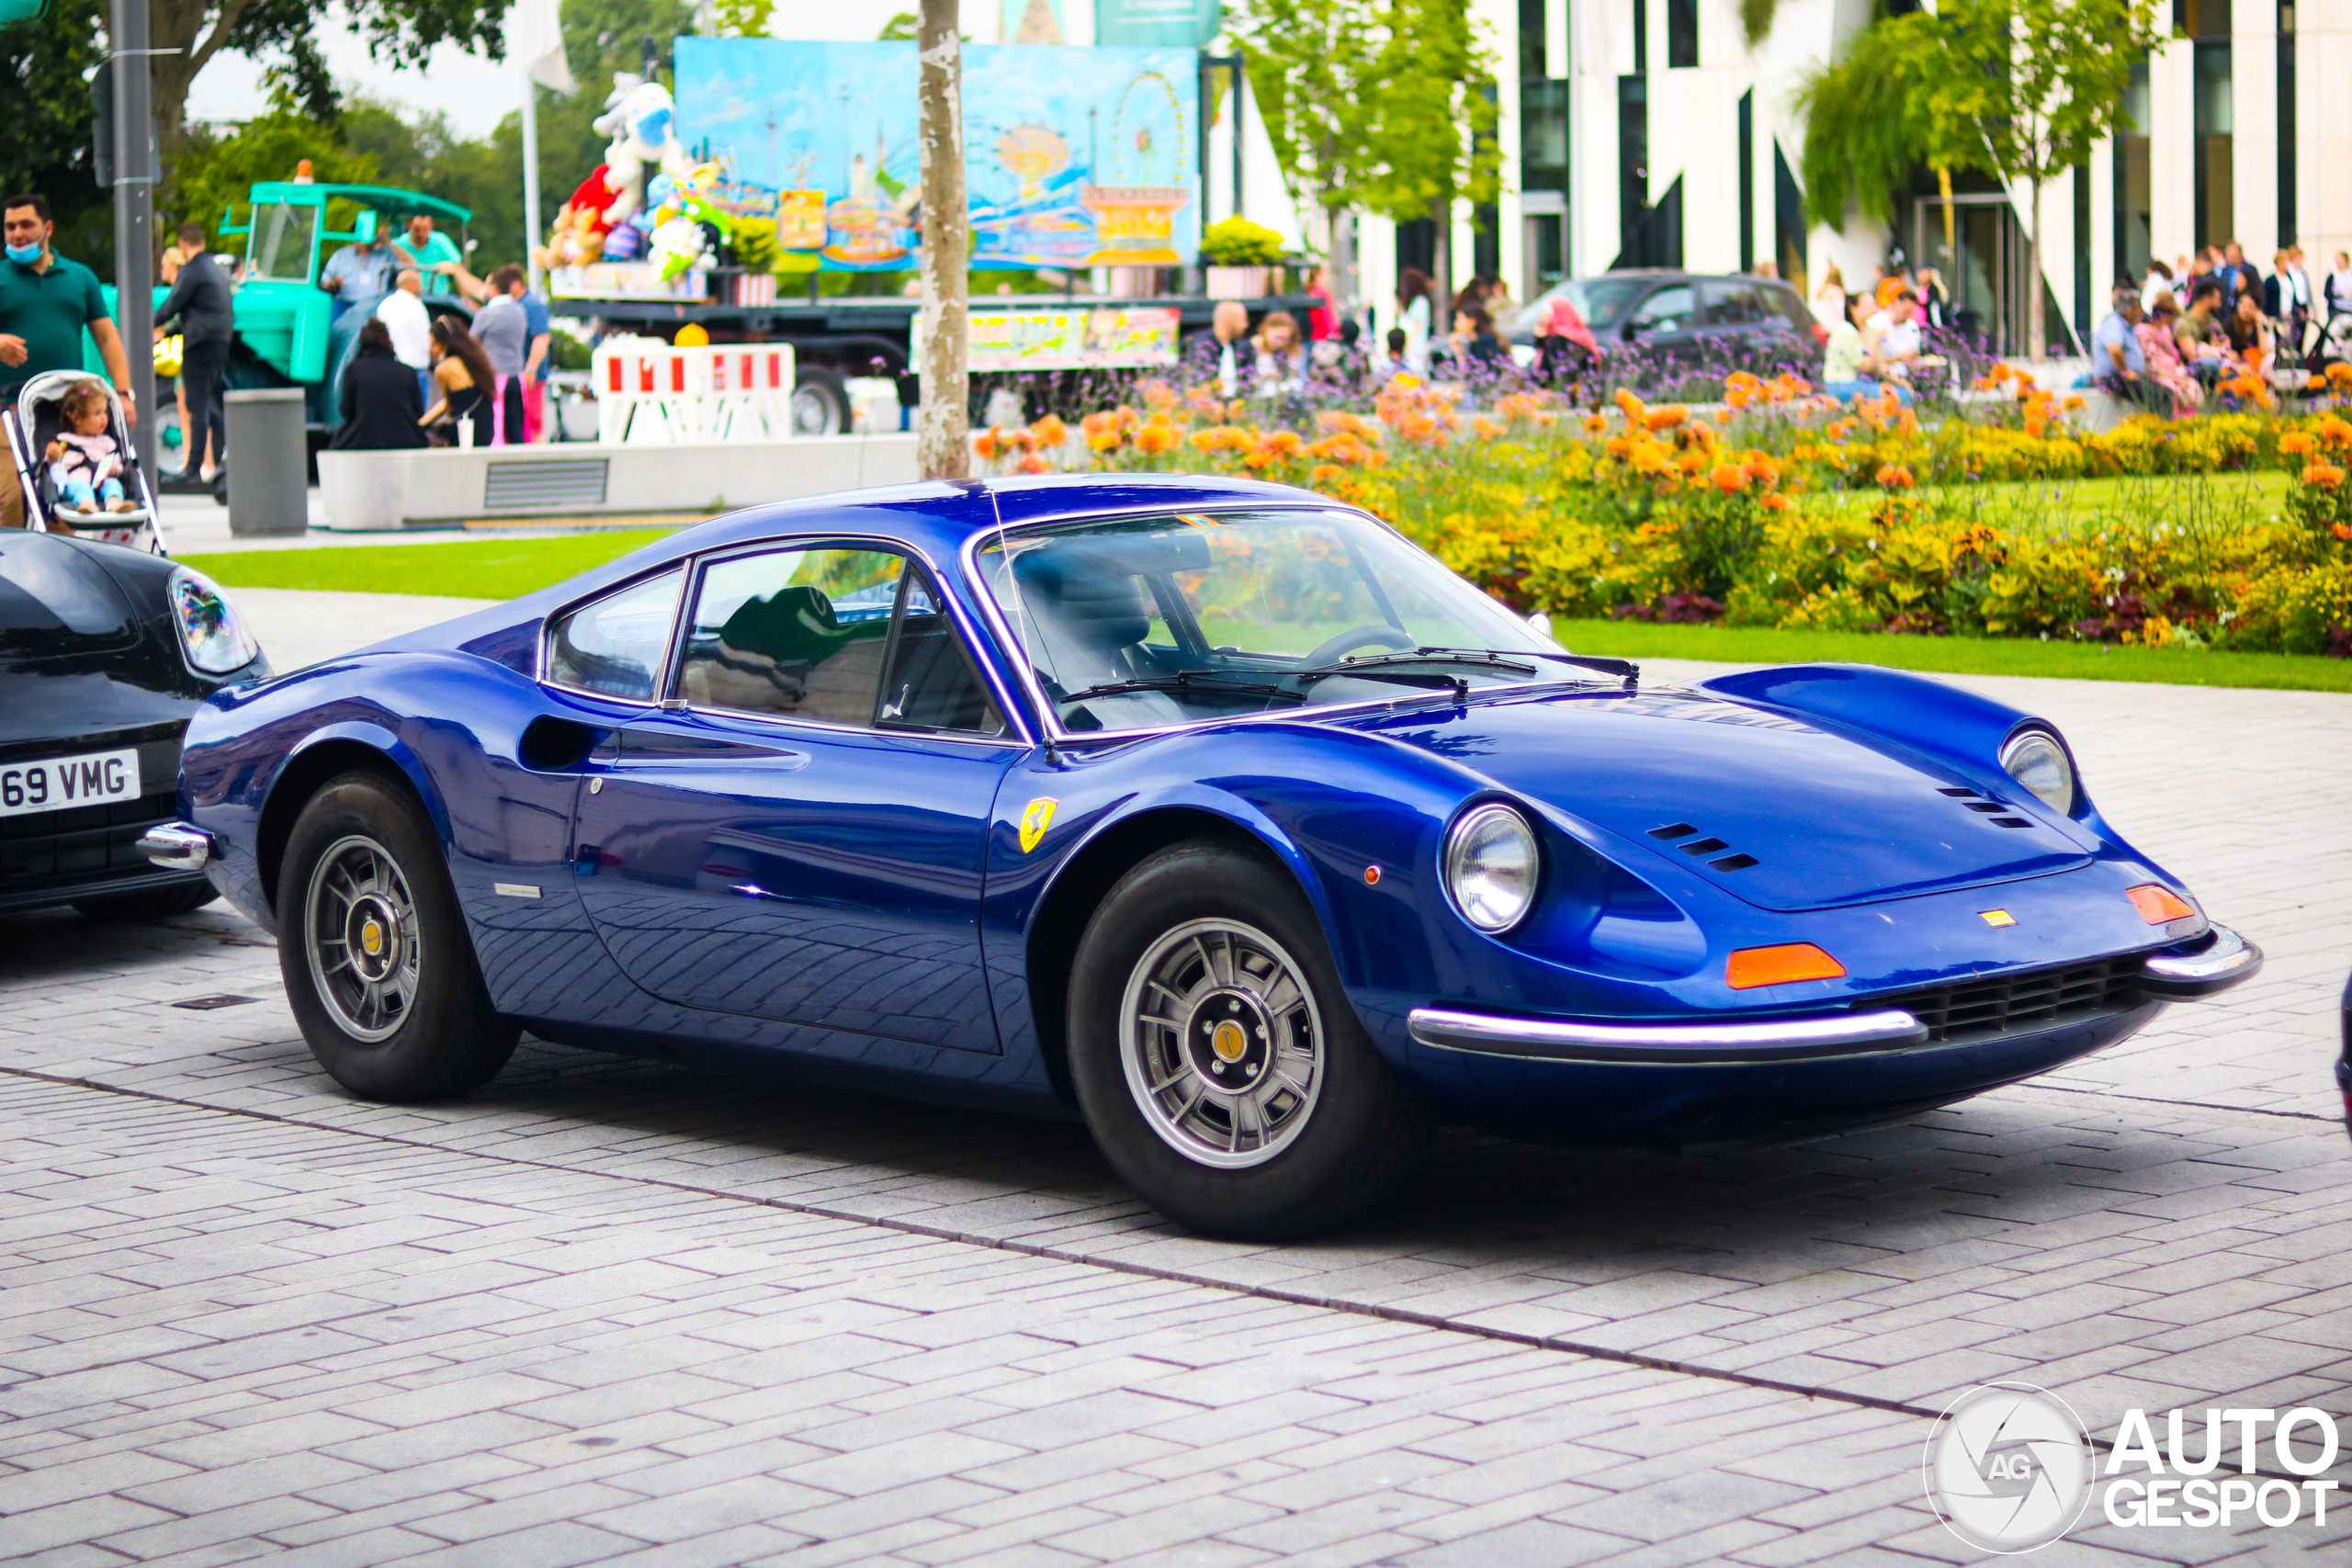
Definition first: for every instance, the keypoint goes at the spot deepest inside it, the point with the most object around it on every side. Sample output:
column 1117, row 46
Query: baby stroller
column 32, row 417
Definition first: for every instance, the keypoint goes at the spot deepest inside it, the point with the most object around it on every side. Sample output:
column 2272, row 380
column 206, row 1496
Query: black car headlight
column 215, row 637
column 2036, row 760
column 1491, row 868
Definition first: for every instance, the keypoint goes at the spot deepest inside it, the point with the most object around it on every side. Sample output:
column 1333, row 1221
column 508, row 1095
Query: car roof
column 379, row 198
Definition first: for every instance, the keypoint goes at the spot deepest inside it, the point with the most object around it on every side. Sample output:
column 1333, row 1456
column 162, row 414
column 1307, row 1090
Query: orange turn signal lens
column 2157, row 905
column 1754, row 966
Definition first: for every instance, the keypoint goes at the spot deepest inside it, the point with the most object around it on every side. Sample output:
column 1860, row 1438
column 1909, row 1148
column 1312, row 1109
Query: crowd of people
column 2188, row 330
column 1281, row 358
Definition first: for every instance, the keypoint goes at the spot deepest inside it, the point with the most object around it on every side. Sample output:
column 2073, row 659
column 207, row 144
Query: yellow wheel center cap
column 371, row 937
column 1228, row 1040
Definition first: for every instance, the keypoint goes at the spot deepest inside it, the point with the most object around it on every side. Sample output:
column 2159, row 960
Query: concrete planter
column 435, row 488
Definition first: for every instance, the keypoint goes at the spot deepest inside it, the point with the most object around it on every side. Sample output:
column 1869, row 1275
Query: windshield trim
column 1023, row 671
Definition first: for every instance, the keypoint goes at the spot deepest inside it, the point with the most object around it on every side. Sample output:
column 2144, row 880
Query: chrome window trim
column 1020, row 731
column 1730, row 1042
column 1025, row 673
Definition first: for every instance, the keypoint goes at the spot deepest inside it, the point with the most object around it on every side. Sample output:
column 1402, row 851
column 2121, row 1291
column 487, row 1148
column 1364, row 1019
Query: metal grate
column 1673, row 830
column 2034, row 998
column 578, row 481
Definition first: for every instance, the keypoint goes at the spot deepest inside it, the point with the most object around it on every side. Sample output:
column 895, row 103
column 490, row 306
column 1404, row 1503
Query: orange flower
column 1595, row 423
column 1261, row 459
column 2341, row 530
column 1776, row 503
column 1049, row 431
column 1207, row 440
column 2327, row 476
column 984, row 444
column 2314, row 383
column 2294, row 443
column 2072, row 402
column 1032, row 465
column 1154, row 439
column 1284, row 443
column 1667, row 418
column 1324, row 474
column 1487, row 429
column 1893, row 476
column 1728, row 479
column 1102, row 440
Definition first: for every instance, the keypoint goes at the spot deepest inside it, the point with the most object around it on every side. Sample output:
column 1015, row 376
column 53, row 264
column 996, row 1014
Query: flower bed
column 1780, row 509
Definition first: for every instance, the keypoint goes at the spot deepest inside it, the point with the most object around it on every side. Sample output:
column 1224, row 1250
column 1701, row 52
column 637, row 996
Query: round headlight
column 2035, row 759
column 216, row 637
column 1491, row 863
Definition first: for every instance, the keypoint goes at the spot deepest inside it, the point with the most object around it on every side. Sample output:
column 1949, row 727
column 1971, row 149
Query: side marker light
column 1753, row 966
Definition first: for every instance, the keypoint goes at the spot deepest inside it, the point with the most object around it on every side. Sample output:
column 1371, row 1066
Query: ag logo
column 2009, row 1468
column 1035, row 821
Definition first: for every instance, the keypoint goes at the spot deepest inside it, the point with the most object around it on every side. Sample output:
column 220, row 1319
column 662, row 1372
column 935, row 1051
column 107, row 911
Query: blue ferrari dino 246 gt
column 1214, row 811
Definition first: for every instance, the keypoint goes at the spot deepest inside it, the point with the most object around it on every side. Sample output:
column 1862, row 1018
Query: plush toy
column 643, row 122
column 577, row 238
column 685, row 213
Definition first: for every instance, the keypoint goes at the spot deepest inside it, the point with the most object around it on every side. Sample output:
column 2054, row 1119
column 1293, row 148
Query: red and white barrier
column 651, row 393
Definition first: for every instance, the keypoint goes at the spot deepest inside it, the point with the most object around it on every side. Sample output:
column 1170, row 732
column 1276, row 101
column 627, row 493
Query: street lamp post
column 134, row 214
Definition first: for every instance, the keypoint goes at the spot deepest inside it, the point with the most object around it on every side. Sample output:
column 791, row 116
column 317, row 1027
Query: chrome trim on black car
column 176, row 846
column 2221, row 963
column 1668, row 1044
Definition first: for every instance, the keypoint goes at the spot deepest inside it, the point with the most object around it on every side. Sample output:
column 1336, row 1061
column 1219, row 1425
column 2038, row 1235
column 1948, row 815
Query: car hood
column 1819, row 818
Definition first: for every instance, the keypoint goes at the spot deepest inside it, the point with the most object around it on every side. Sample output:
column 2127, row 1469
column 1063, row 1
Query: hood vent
column 1702, row 847
column 2000, row 815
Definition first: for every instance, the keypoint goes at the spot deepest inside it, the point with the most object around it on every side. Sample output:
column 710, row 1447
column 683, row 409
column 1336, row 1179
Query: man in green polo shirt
column 45, row 301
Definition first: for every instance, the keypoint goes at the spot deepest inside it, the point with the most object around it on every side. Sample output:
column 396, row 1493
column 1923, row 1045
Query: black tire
column 1349, row 1143
column 363, row 852
column 149, row 903
column 820, row 402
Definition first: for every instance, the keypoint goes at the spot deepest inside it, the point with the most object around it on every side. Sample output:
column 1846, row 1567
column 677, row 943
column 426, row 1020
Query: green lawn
column 1956, row 655
column 469, row 569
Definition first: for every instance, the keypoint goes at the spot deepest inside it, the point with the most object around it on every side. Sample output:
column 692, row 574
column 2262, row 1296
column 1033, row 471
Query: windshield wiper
column 1186, row 680
column 1485, row 658
column 1625, row 670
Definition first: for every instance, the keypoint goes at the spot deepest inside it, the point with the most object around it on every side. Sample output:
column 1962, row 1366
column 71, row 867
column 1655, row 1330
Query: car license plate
column 60, row 784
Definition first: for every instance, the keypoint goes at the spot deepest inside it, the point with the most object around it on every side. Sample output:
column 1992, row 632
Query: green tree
column 212, row 172
column 1385, row 105
column 45, row 62
column 2017, row 89
column 188, row 33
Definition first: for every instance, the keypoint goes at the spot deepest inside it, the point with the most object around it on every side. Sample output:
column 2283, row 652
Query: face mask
column 23, row 256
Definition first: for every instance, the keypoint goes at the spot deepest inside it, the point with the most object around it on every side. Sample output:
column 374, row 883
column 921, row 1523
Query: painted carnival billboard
column 1073, row 157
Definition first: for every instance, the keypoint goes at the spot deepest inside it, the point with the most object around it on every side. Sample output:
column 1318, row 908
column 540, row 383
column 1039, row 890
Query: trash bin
column 269, row 468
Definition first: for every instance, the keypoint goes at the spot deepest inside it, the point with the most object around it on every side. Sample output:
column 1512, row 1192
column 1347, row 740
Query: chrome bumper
column 1669, row 1044
column 176, row 846
column 2219, row 964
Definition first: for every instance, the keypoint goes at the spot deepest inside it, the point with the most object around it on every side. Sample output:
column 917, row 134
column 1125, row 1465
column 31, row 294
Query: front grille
column 87, row 843
column 2033, row 999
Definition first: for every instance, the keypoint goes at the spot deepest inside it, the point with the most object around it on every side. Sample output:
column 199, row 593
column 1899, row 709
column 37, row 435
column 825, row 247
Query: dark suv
column 1737, row 322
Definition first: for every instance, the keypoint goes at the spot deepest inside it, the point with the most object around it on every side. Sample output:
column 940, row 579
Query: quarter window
column 616, row 645
column 797, row 633
column 1667, row 310
column 930, row 683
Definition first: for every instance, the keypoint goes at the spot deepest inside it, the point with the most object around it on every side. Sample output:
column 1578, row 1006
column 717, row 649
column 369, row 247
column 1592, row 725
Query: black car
column 105, row 651
column 1734, row 323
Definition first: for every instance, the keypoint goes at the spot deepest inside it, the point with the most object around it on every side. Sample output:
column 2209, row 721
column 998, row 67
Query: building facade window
column 1641, row 35
column 1748, row 180
column 1532, row 62
column 1633, row 156
column 2134, row 213
column 2207, row 22
column 1681, row 34
column 2286, row 214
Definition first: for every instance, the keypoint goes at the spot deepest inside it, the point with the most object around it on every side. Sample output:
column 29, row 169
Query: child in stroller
column 85, row 463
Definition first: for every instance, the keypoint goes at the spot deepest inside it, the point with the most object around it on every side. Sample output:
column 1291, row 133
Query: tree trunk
column 2037, row 335
column 942, row 438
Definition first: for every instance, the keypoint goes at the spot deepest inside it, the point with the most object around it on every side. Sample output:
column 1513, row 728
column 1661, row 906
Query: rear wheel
column 148, row 903
column 820, row 402
column 374, row 951
column 1218, row 1060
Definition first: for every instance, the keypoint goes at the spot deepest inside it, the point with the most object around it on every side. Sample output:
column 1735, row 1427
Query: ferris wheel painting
column 1073, row 157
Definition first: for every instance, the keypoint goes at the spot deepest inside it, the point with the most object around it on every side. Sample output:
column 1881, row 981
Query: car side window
column 1783, row 303
column 1667, row 310
column 616, row 645
column 930, row 683
column 792, row 633
column 1732, row 305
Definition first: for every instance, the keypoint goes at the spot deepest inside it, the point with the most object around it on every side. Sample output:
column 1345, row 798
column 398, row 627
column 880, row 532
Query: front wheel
column 374, row 951
column 1218, row 1061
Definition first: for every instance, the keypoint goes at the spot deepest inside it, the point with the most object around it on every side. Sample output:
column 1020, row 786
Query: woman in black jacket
column 381, row 404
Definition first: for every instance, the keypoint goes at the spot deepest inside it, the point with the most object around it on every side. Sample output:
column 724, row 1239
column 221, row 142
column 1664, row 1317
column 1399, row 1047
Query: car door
column 1665, row 324
column 795, row 833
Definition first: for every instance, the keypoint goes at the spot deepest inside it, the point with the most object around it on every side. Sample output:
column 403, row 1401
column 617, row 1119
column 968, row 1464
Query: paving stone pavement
column 607, row 1311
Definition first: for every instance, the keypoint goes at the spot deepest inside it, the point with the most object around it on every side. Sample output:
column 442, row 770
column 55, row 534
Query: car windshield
column 1143, row 623
column 1600, row 301
column 281, row 245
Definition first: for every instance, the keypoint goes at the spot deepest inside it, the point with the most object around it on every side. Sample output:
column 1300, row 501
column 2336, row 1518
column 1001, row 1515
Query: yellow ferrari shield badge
column 1998, row 917
column 1035, row 821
